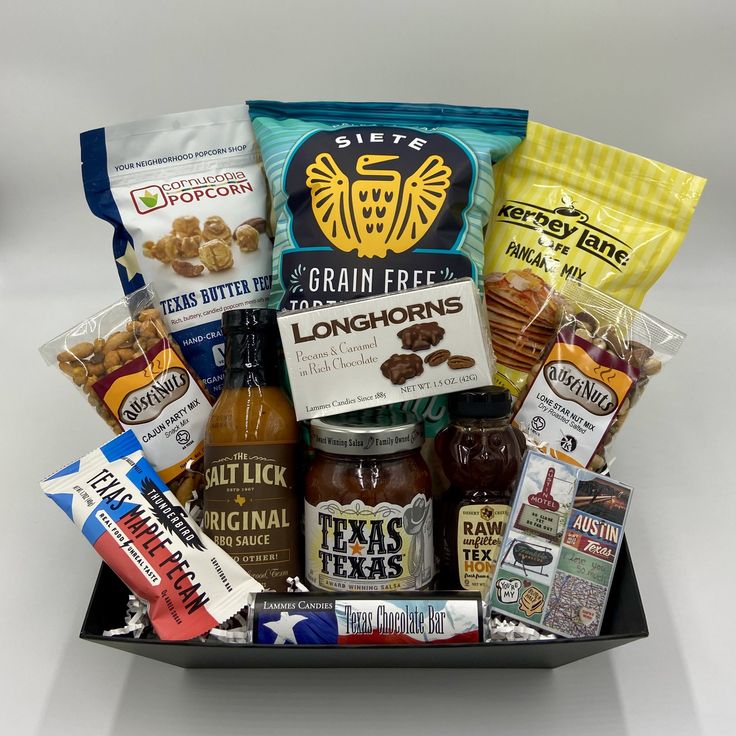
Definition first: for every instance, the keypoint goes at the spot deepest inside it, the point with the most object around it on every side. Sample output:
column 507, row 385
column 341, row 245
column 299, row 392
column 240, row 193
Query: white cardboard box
column 398, row 347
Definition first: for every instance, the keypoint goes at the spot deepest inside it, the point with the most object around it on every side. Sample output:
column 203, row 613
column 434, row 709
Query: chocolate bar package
column 348, row 619
column 560, row 549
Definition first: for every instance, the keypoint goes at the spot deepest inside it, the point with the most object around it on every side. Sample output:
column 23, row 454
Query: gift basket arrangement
column 365, row 379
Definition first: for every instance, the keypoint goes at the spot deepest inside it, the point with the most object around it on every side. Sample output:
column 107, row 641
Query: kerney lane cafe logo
column 565, row 228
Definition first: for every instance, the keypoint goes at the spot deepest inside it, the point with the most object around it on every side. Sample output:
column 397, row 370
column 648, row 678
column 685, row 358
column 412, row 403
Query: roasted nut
column 96, row 369
column 185, row 268
column 459, row 362
column 214, row 227
column 79, row 375
column 651, row 367
column 82, row 350
column 437, row 357
column 587, row 321
column 597, row 463
column 185, row 226
column 147, row 314
column 118, row 340
column 112, row 360
column 247, row 238
column 216, row 255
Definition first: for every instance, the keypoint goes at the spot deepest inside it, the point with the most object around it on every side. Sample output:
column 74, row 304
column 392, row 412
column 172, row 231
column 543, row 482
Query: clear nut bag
column 132, row 372
column 592, row 372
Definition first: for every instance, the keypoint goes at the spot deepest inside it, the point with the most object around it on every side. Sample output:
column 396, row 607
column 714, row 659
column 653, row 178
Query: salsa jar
column 368, row 504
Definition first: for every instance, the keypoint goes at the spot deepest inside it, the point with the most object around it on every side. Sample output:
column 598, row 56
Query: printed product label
column 369, row 548
column 374, row 209
column 560, row 580
column 157, row 398
column 251, row 508
column 480, row 529
column 398, row 621
column 574, row 398
column 141, row 531
column 191, row 194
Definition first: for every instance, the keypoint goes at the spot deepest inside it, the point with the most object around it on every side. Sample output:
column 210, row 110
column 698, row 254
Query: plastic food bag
column 371, row 198
column 187, row 198
column 132, row 372
column 570, row 208
column 591, row 374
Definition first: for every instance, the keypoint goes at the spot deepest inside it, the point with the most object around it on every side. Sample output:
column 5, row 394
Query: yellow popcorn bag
column 570, row 208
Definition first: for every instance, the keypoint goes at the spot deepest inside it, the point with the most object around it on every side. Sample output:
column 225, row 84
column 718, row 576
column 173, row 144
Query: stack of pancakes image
column 523, row 316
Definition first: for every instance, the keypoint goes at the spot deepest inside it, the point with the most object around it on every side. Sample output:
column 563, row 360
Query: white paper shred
column 136, row 619
column 508, row 630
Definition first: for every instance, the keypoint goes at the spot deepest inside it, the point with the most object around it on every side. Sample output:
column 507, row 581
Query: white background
column 656, row 78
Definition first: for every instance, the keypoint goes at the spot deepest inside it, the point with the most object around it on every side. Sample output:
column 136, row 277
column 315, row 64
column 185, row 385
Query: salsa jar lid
column 381, row 431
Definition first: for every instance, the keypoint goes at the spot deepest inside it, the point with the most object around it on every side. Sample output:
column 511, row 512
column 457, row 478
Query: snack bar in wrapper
column 142, row 532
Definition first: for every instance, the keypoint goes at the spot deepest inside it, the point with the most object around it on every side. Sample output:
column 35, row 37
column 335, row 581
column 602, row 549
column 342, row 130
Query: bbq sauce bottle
column 251, row 504
column 481, row 455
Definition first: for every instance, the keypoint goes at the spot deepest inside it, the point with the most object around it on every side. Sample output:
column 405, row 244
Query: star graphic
column 129, row 262
column 356, row 549
column 284, row 628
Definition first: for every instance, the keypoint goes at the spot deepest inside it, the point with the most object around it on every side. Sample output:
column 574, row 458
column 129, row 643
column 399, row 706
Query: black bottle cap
column 491, row 402
column 248, row 320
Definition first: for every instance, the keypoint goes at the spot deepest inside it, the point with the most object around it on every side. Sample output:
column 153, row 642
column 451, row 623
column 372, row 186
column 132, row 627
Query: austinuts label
column 574, row 398
column 158, row 399
column 370, row 548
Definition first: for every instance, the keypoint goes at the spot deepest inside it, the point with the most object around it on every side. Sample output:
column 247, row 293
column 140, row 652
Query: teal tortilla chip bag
column 370, row 198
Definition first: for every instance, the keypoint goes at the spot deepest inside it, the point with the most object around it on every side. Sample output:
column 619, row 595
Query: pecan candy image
column 421, row 336
column 400, row 368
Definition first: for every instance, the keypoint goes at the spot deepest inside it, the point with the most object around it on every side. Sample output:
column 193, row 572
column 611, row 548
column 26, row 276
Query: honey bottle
column 251, row 504
column 480, row 453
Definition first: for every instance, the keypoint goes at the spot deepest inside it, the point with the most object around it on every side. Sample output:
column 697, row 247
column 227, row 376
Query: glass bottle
column 251, row 504
column 480, row 453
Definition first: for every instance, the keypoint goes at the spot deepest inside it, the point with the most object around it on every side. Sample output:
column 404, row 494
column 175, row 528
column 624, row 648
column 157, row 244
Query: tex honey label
column 354, row 546
column 574, row 398
column 480, row 529
column 157, row 398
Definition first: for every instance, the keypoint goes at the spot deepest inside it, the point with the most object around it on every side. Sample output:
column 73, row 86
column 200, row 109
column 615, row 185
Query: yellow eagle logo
column 377, row 213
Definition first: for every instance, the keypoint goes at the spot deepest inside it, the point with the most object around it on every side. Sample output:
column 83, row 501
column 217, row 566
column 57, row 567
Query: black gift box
column 624, row 622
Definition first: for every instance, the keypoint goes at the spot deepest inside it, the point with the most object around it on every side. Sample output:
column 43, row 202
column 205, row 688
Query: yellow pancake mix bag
column 570, row 208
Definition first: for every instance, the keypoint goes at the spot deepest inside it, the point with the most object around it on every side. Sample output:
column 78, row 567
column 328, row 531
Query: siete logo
column 146, row 403
column 372, row 320
column 189, row 190
column 571, row 384
column 373, row 209
column 563, row 229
